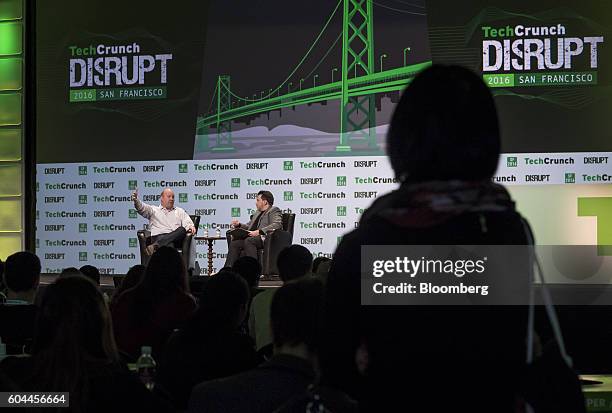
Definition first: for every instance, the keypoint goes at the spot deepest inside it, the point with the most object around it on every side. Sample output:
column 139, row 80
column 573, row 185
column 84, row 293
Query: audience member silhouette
column 295, row 318
column 74, row 351
column 444, row 147
column 131, row 280
column 148, row 313
column 69, row 271
column 250, row 270
column 294, row 262
column 18, row 314
column 320, row 268
column 210, row 346
column 92, row 273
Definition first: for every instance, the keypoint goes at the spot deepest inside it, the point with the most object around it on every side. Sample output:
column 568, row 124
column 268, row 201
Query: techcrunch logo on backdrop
column 116, row 72
column 523, row 56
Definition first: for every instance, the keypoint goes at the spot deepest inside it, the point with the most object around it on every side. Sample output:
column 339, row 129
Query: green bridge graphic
column 358, row 82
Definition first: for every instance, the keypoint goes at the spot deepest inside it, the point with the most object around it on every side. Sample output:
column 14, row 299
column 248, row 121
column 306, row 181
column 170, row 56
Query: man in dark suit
column 267, row 219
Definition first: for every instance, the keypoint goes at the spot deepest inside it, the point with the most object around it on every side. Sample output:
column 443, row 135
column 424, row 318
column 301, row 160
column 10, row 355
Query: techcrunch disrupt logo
column 322, row 195
column 65, row 214
column 164, row 184
column 375, row 180
column 268, row 182
column 322, row 225
column 114, row 256
column 149, row 198
column 597, row 178
column 112, row 198
column 216, row 167
column 215, row 197
column 65, row 186
column 524, row 48
column 549, row 161
column 113, row 169
column 65, row 243
column 102, row 68
column 114, row 227
column 322, row 165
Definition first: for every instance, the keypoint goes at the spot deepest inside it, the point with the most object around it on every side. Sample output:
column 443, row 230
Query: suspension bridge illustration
column 357, row 84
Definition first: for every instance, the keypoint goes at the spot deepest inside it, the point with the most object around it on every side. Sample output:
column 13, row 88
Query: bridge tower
column 224, row 103
column 358, row 113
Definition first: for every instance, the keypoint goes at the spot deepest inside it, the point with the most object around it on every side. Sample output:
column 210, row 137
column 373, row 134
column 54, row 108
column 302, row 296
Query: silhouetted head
column 223, row 304
column 70, row 271
column 445, row 127
column 74, row 317
column 249, row 269
column 294, row 262
column 91, row 272
column 22, row 272
column 73, row 340
column 295, row 314
column 165, row 273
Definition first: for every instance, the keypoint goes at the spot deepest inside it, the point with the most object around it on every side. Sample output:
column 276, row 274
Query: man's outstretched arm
column 143, row 209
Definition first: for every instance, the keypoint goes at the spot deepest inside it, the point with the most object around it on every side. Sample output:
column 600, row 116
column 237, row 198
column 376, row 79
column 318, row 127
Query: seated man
column 169, row 224
column 267, row 219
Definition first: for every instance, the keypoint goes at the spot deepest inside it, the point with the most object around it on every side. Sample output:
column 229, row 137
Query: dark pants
column 174, row 238
column 243, row 247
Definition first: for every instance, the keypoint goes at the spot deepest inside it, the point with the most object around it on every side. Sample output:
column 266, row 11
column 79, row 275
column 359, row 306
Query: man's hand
column 135, row 195
column 235, row 223
column 191, row 230
column 254, row 233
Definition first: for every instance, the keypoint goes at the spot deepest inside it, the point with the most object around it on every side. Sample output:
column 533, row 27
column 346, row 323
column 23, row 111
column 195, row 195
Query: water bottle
column 218, row 232
column 146, row 367
column 206, row 231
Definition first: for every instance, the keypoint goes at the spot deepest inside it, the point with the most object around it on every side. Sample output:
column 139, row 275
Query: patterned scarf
column 429, row 204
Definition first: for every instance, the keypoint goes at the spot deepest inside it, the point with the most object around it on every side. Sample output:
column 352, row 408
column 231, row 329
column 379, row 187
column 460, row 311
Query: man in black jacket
column 267, row 219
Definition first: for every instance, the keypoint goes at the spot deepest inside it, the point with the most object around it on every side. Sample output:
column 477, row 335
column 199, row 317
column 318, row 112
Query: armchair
column 273, row 244
column 144, row 239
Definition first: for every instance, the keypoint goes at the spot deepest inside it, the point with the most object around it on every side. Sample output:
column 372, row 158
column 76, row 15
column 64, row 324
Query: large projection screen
column 222, row 99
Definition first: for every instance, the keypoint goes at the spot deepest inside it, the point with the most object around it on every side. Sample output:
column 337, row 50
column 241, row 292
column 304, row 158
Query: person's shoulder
column 275, row 210
column 263, row 298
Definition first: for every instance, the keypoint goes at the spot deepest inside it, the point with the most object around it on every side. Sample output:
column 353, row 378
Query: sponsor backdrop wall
column 149, row 104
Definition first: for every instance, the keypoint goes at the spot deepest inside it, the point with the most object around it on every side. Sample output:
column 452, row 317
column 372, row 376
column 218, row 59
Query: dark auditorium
column 334, row 206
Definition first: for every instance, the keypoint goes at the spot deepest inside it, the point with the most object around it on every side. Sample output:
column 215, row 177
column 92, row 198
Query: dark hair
column 294, row 262
column 266, row 196
column 22, row 271
column 164, row 276
column 219, row 305
column 74, row 333
column 444, row 127
column 296, row 313
column 249, row 269
column 131, row 280
column 70, row 271
column 317, row 262
column 91, row 272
